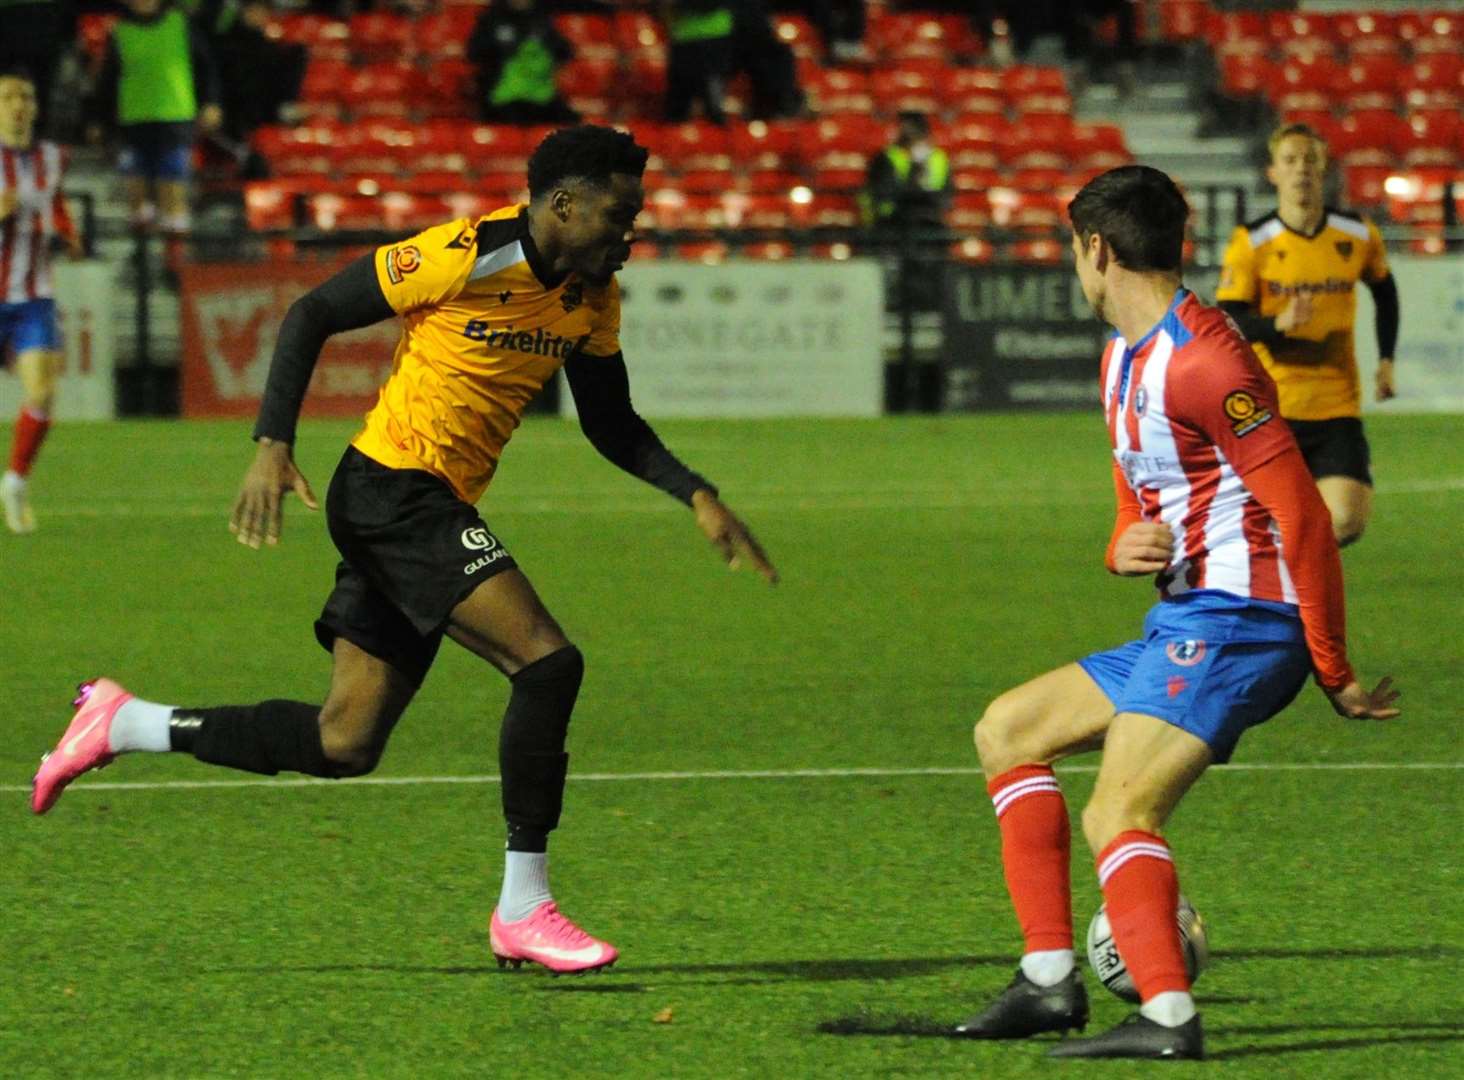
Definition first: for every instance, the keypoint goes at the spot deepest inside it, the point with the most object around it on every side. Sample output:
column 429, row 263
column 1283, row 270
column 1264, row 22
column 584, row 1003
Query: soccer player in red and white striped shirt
column 32, row 215
column 1214, row 499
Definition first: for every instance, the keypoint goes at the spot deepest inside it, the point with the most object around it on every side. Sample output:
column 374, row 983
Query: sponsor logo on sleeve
column 401, row 261
column 1244, row 412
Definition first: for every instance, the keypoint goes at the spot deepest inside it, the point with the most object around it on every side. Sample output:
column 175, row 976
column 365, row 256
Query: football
column 1109, row 966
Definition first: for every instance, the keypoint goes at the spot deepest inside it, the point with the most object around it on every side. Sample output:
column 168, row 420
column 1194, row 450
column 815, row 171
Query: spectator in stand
column 32, row 34
column 257, row 74
column 517, row 49
column 840, row 25
column 909, row 181
column 713, row 40
column 156, row 85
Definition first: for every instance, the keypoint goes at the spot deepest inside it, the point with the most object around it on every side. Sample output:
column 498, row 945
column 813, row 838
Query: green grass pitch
column 771, row 926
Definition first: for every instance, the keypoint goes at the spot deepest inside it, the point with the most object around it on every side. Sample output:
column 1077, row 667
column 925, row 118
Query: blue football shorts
column 1212, row 667
column 161, row 151
column 28, row 325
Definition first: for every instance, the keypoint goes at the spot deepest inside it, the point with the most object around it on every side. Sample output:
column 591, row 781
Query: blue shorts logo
column 1185, row 653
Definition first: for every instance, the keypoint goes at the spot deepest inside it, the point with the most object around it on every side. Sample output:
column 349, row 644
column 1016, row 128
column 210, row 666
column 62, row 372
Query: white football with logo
column 1109, row 966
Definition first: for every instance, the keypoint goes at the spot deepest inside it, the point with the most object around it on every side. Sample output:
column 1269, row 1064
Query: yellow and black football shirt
column 1267, row 264
column 481, row 335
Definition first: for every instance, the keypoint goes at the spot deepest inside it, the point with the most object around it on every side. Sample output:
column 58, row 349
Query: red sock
column 30, row 432
column 1141, row 891
column 1035, row 846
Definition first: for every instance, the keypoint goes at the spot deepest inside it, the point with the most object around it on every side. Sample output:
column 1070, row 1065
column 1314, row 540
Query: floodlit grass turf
column 339, row 930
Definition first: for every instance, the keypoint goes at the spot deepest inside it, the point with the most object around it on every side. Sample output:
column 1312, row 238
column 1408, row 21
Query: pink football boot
column 85, row 745
column 547, row 937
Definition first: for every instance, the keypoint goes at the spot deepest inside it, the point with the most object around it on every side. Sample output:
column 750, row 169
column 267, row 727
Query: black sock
column 531, row 757
column 271, row 737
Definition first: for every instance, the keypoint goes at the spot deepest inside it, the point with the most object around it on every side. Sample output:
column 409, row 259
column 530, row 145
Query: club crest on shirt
column 401, row 261
column 1244, row 412
column 1185, row 653
column 1344, row 248
column 572, row 297
column 1141, row 401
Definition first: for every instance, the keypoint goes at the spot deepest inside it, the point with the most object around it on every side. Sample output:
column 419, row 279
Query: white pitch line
column 728, row 774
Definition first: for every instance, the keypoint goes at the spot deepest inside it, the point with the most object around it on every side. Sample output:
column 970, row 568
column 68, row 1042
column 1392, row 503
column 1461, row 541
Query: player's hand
column 1144, row 548
column 1386, row 390
column 210, row 118
column 1296, row 313
column 75, row 250
column 730, row 536
column 1355, row 703
column 259, row 508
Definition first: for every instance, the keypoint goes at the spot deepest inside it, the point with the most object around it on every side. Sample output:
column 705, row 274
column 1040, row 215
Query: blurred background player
column 494, row 307
column 1215, row 499
column 32, row 215
column 516, row 51
column 157, row 82
column 1288, row 279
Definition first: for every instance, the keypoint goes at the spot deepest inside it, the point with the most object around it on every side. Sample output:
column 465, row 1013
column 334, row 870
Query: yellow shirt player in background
column 1289, row 280
column 490, row 310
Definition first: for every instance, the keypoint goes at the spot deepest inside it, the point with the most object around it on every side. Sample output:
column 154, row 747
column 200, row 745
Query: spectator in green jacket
column 908, row 182
column 516, row 50
column 157, row 84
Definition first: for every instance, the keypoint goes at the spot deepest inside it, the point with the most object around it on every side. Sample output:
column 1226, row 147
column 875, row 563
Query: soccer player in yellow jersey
column 490, row 310
column 1288, row 279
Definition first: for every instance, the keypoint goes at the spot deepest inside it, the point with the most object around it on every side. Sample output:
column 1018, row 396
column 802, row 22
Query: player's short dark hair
column 584, row 152
column 1139, row 211
column 13, row 71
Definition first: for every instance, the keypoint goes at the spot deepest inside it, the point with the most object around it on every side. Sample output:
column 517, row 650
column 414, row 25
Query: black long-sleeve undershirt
column 1262, row 328
column 353, row 299
column 601, row 388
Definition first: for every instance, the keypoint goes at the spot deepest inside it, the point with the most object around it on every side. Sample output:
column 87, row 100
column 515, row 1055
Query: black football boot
column 1140, row 1037
column 1024, row 1009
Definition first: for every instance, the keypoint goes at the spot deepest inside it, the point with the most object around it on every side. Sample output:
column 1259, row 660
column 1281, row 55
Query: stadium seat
column 1032, row 89
column 1237, row 33
column 1305, row 82
column 1181, row 20
column 1433, row 138
column 1430, row 32
column 1098, row 146
column 840, row 89
column 1026, row 211
column 1370, row 137
column 1435, row 81
column 325, row 38
column 1300, row 32
column 323, row 88
column 837, row 251
column 1363, row 185
column 297, row 151
column 796, row 32
column 1366, row 33
column 592, row 36
column 970, row 211
column 696, row 144
column 1369, row 82
column 447, row 91
column 972, row 90
column 385, row 89
column 908, row 86
column 373, row 150
column 765, row 211
column 769, row 181
column 976, row 141
column 851, row 132
column 767, row 144
column 1038, row 178
column 1244, row 75
column 711, row 181
column 766, row 250
column 93, row 32
column 493, row 147
column 976, row 178
column 444, row 35
column 1040, row 251
column 271, row 204
column 920, row 35
column 633, row 31
column 973, row 250
column 590, row 84
column 1039, row 140
column 711, row 252
column 329, row 211
column 380, row 36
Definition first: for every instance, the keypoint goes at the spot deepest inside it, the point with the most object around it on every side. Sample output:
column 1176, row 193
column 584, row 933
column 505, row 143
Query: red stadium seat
column 447, row 91
column 329, row 211
column 695, row 144
column 1026, row 211
column 766, row 250
column 324, row 81
column 1038, row 179
column 271, row 204
column 765, row 211
column 326, row 38
column 592, row 36
column 1363, row 185
column 1305, row 83
column 908, row 86
column 848, row 132
column 769, row 181
column 93, row 31
column 706, row 181
column 976, row 141
column 1293, row 32
column 837, row 251
column 379, row 36
column 1038, row 141
column 840, row 89
column 796, row 32
column 1098, row 146
column 494, row 147
column 916, row 35
column 636, row 30
column 1369, row 82
column 298, row 151
column 1037, row 89
column 973, row 250
column 385, row 89
column 1374, row 137
column 970, row 211
column 373, row 150
column 711, row 252
column 971, row 178
column 444, row 35
column 1244, row 75
column 767, row 144
column 1435, row 81
column 1042, row 252
column 1181, row 20
column 1237, row 33
column 1366, row 33
column 972, row 90
column 1430, row 32
column 1433, row 137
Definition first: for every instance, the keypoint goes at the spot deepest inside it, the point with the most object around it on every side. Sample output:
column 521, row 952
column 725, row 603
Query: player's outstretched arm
column 259, row 508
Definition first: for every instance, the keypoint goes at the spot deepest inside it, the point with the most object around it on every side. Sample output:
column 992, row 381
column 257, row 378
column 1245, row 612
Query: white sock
column 1048, row 967
column 1171, row 1008
column 525, row 884
column 140, row 725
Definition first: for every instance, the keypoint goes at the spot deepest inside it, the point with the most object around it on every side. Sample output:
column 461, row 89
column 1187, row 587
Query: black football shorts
column 411, row 551
column 1334, row 447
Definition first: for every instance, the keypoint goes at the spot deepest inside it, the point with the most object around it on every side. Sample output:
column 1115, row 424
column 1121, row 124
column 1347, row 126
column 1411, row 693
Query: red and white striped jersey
column 1190, row 410
column 34, row 176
